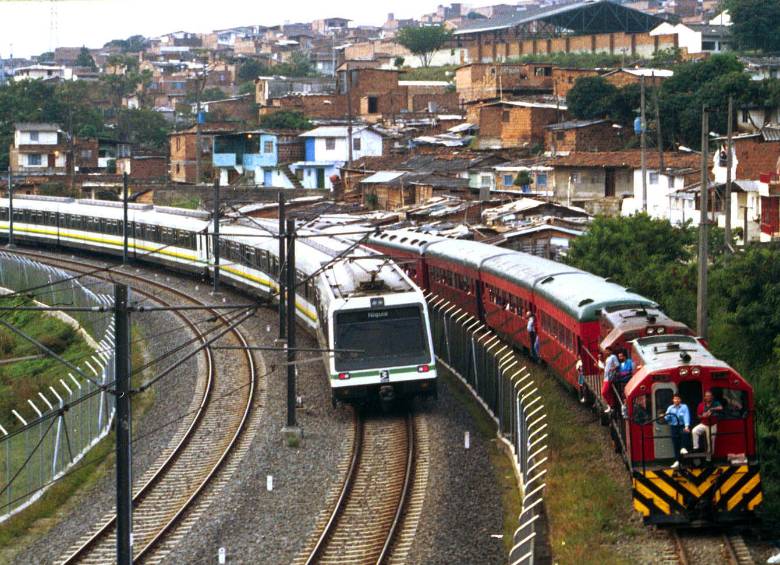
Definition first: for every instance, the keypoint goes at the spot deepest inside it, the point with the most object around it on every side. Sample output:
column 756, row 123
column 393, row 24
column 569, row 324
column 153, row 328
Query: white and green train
column 366, row 313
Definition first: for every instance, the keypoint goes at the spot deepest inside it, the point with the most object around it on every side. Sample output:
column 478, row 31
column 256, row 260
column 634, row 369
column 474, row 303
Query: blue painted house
column 261, row 156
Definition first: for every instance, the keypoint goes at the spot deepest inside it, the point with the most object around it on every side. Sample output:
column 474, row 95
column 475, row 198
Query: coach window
column 4, row 214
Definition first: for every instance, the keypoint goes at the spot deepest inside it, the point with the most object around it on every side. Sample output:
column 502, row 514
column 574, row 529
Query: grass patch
column 502, row 467
column 588, row 493
column 188, row 202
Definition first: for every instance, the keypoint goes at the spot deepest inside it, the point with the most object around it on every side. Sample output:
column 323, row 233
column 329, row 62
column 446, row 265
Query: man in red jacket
column 708, row 411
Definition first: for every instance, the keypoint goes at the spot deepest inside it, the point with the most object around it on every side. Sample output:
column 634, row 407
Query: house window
column 178, row 143
column 330, row 144
column 560, row 136
column 653, row 178
column 708, row 46
column 505, row 116
column 34, row 160
column 373, row 105
column 541, row 179
column 268, row 147
column 356, row 144
column 485, row 181
column 299, row 174
column 508, row 180
column 33, row 136
column 574, row 178
column 86, row 154
column 745, row 116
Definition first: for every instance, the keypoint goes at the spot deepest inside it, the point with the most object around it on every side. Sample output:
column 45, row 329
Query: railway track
column 366, row 524
column 693, row 548
column 166, row 496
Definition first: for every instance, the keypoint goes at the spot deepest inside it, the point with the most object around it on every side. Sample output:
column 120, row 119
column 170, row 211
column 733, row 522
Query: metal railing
column 54, row 429
column 501, row 383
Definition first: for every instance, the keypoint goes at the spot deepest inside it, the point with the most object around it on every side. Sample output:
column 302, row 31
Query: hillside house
column 585, row 135
column 183, row 149
column 262, row 156
column 39, row 149
column 508, row 123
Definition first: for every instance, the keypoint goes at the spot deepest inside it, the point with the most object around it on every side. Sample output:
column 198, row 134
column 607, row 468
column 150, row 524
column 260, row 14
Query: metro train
column 369, row 317
column 578, row 315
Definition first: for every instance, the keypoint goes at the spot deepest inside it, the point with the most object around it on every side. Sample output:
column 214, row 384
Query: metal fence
column 499, row 380
column 55, row 428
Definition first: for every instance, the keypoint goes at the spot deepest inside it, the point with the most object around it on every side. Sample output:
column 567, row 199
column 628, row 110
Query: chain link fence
column 58, row 425
column 499, row 380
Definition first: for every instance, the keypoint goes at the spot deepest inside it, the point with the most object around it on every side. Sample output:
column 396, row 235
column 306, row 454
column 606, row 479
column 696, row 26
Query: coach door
column 662, row 435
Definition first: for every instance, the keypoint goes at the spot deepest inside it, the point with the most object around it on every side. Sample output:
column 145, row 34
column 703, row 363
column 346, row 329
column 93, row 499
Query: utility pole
column 727, row 196
column 658, row 126
column 643, row 143
column 124, row 499
column 291, row 422
column 348, row 74
column 280, row 274
column 124, row 219
column 10, row 207
column 215, row 235
column 701, row 295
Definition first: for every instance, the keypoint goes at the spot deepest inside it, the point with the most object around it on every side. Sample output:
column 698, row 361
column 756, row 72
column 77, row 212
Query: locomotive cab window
column 734, row 403
column 391, row 336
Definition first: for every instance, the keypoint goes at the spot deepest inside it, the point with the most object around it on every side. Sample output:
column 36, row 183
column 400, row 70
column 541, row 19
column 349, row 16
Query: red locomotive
column 577, row 316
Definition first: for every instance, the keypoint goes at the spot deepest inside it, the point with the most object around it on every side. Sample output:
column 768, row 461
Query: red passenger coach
column 406, row 249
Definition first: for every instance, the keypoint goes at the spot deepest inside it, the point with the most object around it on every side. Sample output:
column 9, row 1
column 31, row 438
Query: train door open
column 662, row 435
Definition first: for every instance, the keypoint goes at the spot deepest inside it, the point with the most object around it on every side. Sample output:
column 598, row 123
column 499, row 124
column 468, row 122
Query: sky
column 26, row 26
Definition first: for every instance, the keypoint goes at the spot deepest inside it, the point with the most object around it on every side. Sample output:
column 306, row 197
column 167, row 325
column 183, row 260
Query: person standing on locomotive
column 611, row 368
column 625, row 370
column 679, row 419
column 709, row 409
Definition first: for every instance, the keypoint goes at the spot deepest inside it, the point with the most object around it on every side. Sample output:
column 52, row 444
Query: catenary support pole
column 10, row 207
column 643, row 143
column 124, row 501
column 727, row 196
column 215, row 215
column 280, row 275
column 701, row 295
column 291, row 292
column 661, row 165
column 125, row 224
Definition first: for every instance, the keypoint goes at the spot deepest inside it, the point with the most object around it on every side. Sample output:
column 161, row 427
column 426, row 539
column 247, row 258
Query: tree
column 299, row 65
column 133, row 44
column 85, row 59
column 756, row 23
column 144, row 127
column 246, row 88
column 251, row 69
column 590, row 97
column 423, row 41
column 285, row 120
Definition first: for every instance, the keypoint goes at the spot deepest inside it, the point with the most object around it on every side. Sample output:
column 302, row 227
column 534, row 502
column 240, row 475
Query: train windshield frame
column 388, row 336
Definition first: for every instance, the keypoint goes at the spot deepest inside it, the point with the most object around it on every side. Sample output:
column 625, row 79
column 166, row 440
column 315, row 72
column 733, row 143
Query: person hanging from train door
column 531, row 327
column 679, row 419
column 707, row 412
column 581, row 380
column 625, row 370
column 611, row 368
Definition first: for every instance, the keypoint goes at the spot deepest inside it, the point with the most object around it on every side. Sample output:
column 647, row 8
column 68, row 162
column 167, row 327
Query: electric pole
column 124, row 218
column 727, row 196
column 124, row 499
column 701, row 295
column 658, row 126
column 10, row 206
column 199, row 86
column 215, row 235
column 280, row 274
column 348, row 75
column 291, row 293
column 643, row 142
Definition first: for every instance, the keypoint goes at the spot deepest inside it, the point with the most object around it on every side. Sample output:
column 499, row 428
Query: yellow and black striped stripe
column 718, row 489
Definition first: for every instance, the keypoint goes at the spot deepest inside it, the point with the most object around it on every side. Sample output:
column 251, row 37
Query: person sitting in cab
column 708, row 411
column 679, row 419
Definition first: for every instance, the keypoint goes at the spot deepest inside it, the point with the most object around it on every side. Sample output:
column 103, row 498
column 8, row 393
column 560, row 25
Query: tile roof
column 624, row 159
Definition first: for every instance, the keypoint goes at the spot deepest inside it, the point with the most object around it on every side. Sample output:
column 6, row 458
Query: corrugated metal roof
column 383, row 177
column 333, row 131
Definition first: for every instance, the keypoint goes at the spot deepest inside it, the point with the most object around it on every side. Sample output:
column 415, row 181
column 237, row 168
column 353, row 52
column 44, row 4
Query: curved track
column 366, row 519
column 198, row 450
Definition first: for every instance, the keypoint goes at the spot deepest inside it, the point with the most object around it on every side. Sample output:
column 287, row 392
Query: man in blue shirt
column 679, row 419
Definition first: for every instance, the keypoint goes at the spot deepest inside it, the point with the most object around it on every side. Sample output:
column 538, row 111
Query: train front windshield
column 380, row 337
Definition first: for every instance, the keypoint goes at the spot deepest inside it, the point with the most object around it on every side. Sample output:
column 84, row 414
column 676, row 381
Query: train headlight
column 661, row 330
column 683, row 372
column 423, row 368
column 650, row 331
column 343, row 376
column 696, row 371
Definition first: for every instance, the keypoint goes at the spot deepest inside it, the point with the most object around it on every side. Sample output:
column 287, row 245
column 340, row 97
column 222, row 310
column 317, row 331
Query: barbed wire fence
column 53, row 430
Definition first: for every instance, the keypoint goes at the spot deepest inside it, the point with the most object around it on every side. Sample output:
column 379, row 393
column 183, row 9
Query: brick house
column 487, row 81
column 564, row 79
column 626, row 76
column 514, row 123
column 389, row 190
column 585, row 135
column 143, row 167
column 374, row 92
column 182, row 147
column 85, row 154
column 236, row 109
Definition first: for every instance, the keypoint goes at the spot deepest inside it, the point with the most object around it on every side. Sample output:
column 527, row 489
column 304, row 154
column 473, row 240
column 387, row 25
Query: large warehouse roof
column 588, row 16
